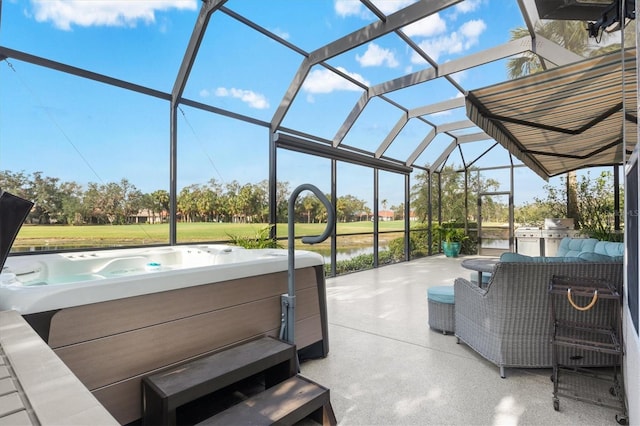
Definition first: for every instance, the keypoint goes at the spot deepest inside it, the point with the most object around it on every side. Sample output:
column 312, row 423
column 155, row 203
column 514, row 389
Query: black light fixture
column 574, row 10
column 613, row 18
column 603, row 15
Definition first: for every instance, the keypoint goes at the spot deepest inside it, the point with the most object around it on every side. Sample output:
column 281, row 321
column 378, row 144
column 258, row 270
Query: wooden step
column 284, row 404
column 164, row 392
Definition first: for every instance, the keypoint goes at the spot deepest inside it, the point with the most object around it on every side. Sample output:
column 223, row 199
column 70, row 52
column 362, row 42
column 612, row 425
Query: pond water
column 495, row 244
column 343, row 254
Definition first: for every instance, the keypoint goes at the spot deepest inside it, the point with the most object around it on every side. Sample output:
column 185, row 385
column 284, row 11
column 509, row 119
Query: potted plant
column 451, row 238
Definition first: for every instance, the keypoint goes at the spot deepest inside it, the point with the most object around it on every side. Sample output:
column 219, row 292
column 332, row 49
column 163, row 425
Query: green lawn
column 57, row 236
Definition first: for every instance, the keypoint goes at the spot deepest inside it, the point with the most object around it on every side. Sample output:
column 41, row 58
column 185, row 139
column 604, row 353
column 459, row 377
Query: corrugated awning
column 564, row 119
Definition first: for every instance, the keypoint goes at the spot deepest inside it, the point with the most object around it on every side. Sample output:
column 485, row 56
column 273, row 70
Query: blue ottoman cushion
column 441, row 294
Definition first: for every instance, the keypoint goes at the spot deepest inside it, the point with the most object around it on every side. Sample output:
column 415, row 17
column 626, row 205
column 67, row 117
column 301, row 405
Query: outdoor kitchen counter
column 36, row 387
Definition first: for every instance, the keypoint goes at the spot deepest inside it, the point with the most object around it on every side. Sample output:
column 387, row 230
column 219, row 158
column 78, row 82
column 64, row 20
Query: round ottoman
column 441, row 308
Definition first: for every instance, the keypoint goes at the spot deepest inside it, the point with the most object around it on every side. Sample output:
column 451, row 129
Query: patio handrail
column 288, row 301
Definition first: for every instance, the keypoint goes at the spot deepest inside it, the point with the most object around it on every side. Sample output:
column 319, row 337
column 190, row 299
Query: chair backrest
column 609, row 248
column 519, row 292
column 572, row 247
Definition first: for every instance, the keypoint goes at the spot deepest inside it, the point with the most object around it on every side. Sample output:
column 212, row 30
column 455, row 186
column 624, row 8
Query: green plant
column 417, row 246
column 450, row 233
column 261, row 240
column 361, row 262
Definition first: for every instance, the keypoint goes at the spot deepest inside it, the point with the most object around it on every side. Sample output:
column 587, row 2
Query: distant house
column 363, row 216
column 386, row 215
column 147, row 216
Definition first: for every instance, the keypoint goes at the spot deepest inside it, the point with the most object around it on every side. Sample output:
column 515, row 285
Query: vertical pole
column 429, row 212
column 173, row 173
column 334, row 201
column 407, row 217
column 376, row 215
column 479, row 218
column 273, row 185
column 511, row 211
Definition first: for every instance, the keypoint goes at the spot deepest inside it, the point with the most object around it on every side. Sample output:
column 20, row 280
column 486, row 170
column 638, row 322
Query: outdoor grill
column 555, row 229
column 529, row 241
column 532, row 241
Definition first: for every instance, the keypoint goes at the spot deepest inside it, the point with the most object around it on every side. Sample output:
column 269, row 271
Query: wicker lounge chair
column 509, row 323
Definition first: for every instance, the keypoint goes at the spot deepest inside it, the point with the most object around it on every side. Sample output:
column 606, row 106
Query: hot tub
column 114, row 316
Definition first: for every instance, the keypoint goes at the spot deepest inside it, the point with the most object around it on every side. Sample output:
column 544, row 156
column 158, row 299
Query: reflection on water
column 495, row 244
column 343, row 254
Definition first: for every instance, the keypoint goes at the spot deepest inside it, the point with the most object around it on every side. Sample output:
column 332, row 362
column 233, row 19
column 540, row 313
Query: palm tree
column 573, row 36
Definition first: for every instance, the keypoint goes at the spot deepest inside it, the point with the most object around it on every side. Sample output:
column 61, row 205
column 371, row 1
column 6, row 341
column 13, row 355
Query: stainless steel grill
column 555, row 229
column 532, row 241
column 529, row 241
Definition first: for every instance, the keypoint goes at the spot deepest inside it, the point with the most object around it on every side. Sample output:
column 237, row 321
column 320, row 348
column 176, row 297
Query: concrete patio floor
column 387, row 367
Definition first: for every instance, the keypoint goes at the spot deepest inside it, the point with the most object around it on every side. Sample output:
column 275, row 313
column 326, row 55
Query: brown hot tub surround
column 111, row 344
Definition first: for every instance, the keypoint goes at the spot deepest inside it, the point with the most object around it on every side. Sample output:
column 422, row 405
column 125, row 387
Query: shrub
column 261, row 240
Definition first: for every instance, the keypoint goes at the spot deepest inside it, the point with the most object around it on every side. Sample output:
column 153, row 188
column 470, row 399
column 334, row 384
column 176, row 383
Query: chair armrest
column 472, row 308
column 465, row 287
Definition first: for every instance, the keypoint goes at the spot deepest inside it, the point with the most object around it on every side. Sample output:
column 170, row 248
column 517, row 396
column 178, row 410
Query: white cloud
column 325, row 81
column 468, row 6
column 66, row 13
column 376, row 56
column 280, row 33
column 473, row 29
column 466, row 37
column 204, row 93
column 426, row 27
column 435, row 47
column 251, row 98
column 388, row 7
column 346, row 8
column 464, row 7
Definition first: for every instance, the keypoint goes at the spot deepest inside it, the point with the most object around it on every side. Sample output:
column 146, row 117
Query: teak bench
column 164, row 392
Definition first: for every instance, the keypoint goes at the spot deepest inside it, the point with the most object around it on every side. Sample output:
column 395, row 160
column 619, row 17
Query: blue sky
column 83, row 131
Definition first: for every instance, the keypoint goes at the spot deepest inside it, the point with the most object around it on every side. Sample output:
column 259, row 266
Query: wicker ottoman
column 441, row 308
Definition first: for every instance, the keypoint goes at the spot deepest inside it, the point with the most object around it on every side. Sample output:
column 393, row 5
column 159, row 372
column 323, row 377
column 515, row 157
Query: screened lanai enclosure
column 192, row 122
column 369, row 101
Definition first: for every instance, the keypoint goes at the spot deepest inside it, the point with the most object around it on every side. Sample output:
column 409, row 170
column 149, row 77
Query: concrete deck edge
column 55, row 394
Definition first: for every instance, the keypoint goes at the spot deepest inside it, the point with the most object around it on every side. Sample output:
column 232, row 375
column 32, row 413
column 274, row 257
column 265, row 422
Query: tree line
column 595, row 213
column 122, row 202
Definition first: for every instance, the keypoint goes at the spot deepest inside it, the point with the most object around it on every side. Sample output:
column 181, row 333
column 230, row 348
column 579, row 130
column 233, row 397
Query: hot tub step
column 164, row 392
column 284, row 404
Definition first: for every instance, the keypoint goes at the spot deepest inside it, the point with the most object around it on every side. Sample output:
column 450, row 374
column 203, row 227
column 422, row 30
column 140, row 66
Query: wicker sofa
column 508, row 322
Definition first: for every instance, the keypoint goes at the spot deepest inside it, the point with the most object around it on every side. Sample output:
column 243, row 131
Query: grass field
column 61, row 236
